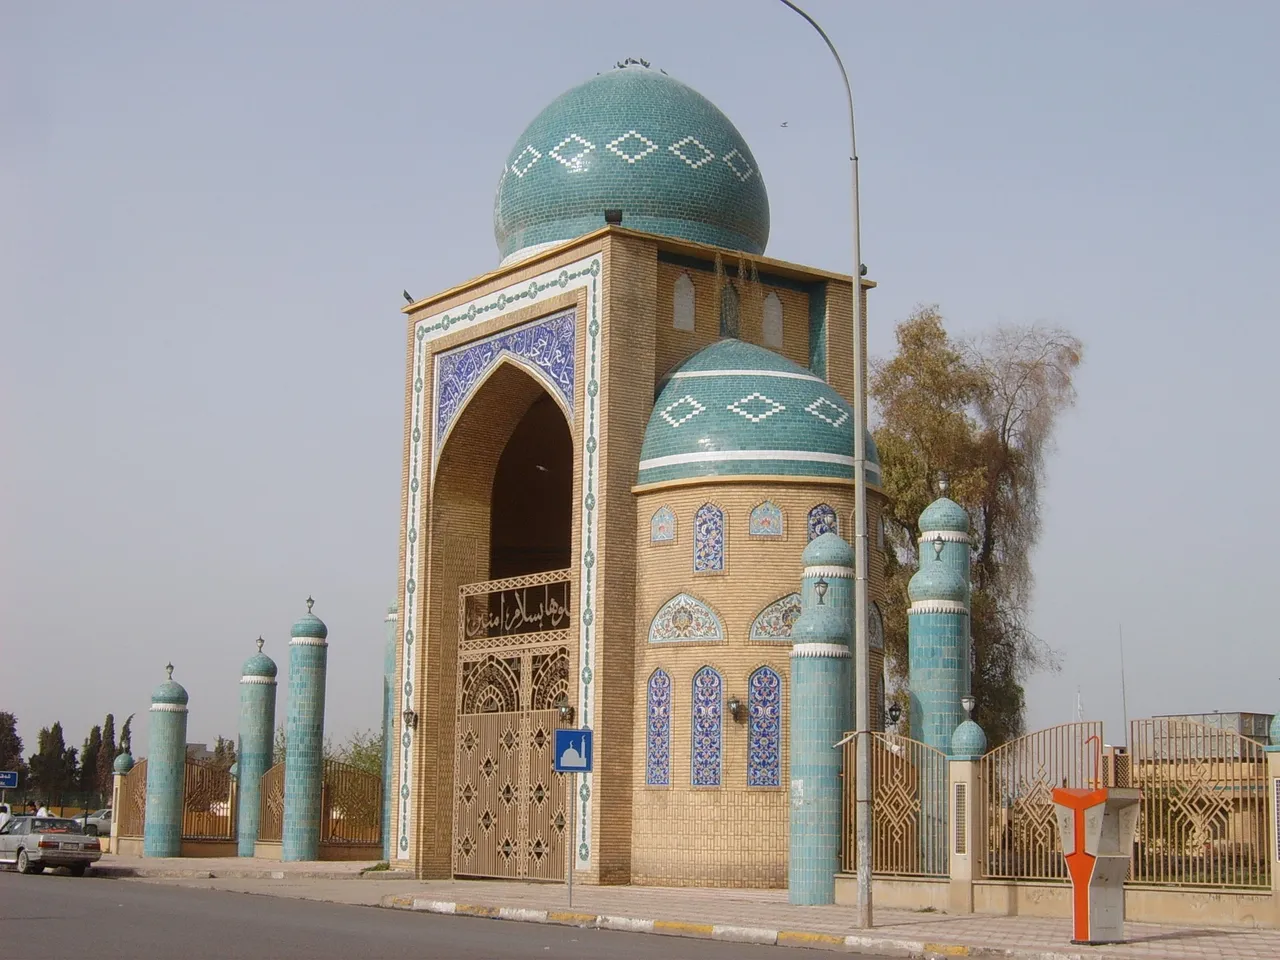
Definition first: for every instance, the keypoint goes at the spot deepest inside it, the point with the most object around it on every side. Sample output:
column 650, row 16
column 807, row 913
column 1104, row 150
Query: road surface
column 52, row 916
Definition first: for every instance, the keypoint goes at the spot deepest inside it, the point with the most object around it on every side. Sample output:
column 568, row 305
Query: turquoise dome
column 635, row 140
column 968, row 740
column 937, row 581
column 123, row 763
column 735, row 409
column 171, row 691
column 821, row 624
column 259, row 665
column 828, row 550
column 944, row 514
column 234, row 771
column 309, row 625
column 1275, row 731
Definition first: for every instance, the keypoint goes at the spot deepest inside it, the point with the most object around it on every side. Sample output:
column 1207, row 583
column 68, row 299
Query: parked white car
column 97, row 824
column 33, row 843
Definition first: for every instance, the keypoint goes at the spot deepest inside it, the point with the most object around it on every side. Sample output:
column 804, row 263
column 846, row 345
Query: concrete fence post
column 966, row 842
column 1273, row 811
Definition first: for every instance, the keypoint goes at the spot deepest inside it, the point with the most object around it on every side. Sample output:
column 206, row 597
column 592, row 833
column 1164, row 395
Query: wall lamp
column 410, row 719
column 893, row 714
column 565, row 708
column 968, row 703
column 735, row 709
column 938, row 544
column 820, row 588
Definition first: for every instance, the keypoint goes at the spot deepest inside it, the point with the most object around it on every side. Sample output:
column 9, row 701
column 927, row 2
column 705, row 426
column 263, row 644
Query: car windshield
column 54, row 825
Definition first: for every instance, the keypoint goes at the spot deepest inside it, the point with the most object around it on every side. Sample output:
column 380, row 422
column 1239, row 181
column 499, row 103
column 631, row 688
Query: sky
column 208, row 213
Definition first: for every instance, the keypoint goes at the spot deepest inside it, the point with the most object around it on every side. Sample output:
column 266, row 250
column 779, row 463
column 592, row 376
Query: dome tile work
column 636, row 140
column 735, row 409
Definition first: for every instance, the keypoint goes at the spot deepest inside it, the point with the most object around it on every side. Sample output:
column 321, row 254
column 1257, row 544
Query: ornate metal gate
column 510, row 816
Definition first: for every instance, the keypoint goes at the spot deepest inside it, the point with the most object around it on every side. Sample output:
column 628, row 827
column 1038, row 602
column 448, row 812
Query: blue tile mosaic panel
column 764, row 737
column 657, row 766
column 766, row 520
column 823, row 519
column 775, row 621
column 708, row 539
column 708, row 700
column 685, row 618
column 662, row 526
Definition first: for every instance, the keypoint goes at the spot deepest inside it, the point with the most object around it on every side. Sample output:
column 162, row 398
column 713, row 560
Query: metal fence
column 1203, row 815
column 1016, row 783
column 351, row 805
column 909, row 808
column 271, row 805
column 206, row 803
column 132, row 815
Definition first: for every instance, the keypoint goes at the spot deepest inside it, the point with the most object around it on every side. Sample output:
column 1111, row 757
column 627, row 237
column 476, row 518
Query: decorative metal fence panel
column 351, row 805
column 1203, row 816
column 132, row 814
column 909, row 808
column 206, row 803
column 1017, row 781
column 271, row 805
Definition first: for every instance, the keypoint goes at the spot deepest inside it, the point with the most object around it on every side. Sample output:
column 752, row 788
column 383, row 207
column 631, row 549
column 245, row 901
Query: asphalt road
column 52, row 916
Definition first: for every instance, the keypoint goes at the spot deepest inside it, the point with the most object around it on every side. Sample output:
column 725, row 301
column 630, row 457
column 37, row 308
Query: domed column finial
column 968, row 703
column 944, row 482
column 310, row 603
column 260, row 643
column 168, row 669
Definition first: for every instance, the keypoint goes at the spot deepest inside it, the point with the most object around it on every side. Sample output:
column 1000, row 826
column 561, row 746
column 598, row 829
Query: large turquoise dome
column 735, row 409
column 635, row 140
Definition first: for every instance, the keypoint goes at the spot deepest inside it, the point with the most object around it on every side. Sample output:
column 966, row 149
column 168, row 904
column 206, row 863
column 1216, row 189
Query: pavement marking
column 572, row 919
column 522, row 913
column 476, row 910
column 801, row 938
column 947, row 949
column 629, row 924
column 434, row 906
column 744, row 934
column 680, row 928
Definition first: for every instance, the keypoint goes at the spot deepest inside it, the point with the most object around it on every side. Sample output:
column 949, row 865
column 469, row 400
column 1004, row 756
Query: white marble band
column 308, row 642
column 947, row 536
column 169, row 707
column 938, row 606
column 829, row 572
column 249, row 679
column 837, row 651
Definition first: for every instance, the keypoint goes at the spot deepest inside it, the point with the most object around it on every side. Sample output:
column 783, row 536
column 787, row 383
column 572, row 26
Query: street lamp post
column 862, row 656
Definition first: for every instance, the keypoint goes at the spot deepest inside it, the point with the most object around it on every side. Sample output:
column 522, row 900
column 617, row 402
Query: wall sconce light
column 565, row 708
column 735, row 708
column 938, row 544
column 410, row 719
column 893, row 714
column 820, row 588
column 968, row 703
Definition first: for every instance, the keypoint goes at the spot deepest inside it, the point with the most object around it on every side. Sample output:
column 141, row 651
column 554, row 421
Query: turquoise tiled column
column 255, row 754
column 938, row 647
column 166, row 770
column 388, row 723
column 304, row 738
column 821, row 714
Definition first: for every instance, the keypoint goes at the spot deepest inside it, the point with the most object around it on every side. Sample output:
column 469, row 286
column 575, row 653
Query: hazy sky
column 208, row 212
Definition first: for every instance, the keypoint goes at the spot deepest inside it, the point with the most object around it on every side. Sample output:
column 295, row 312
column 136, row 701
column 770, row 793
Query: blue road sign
column 8, row 779
column 573, row 751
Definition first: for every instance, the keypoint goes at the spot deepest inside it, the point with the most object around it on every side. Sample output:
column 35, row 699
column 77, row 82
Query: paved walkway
column 765, row 916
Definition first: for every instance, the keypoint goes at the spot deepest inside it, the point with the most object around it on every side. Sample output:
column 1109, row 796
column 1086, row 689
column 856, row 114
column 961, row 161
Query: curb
column 113, row 871
column 881, row 946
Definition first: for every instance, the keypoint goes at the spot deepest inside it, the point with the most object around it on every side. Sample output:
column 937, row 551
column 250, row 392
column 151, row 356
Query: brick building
column 617, row 445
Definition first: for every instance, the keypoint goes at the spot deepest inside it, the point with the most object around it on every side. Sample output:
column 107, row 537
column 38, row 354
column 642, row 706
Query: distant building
column 1251, row 725
column 199, row 751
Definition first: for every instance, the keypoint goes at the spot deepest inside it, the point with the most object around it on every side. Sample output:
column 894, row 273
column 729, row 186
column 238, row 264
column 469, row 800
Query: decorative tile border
column 585, row 275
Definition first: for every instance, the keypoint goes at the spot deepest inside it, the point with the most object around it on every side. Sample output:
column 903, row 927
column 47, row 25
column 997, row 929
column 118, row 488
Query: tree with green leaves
column 224, row 753
column 107, row 755
column 363, row 750
column 54, row 765
column 126, row 736
column 983, row 412
column 90, row 753
column 11, row 747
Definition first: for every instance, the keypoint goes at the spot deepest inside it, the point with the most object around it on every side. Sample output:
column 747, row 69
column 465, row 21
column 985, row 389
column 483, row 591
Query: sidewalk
column 243, row 868
column 764, row 916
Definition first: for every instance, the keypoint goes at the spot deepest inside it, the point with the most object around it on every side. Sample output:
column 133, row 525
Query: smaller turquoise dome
column 123, row 763
column 821, row 624
column 171, row 691
column 259, row 665
column 828, row 550
column 936, row 580
column 968, row 740
column 309, row 625
column 234, row 771
column 944, row 514
column 1275, row 730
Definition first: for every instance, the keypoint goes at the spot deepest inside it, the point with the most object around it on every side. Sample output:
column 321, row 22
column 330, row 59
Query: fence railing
column 1016, row 784
column 1203, row 815
column 909, row 808
column 132, row 815
column 351, row 805
column 206, row 803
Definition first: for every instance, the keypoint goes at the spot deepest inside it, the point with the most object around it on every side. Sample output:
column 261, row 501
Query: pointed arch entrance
column 502, row 513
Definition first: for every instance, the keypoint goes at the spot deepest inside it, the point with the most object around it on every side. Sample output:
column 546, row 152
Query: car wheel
column 91, row 830
column 24, row 863
column 77, row 869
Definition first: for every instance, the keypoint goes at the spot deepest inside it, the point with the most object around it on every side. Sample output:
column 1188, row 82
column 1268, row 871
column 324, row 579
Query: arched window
column 823, row 519
column 730, row 315
column 772, row 330
column 708, row 539
column 662, row 526
column 707, row 710
column 764, row 736
column 682, row 303
column 657, row 765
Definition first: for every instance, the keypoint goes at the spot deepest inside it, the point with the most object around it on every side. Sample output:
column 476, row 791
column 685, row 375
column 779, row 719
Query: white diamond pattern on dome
column 744, row 174
column 816, row 408
column 574, row 162
column 516, row 163
column 695, row 408
column 679, row 148
column 767, row 409
column 615, row 146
